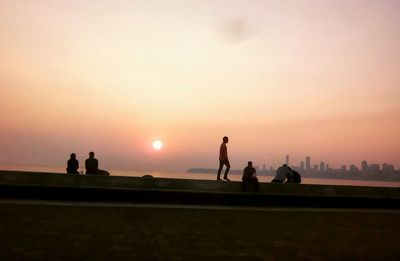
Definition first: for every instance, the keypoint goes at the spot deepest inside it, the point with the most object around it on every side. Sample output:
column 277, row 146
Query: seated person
column 282, row 173
column 72, row 164
column 294, row 177
column 250, row 176
column 92, row 166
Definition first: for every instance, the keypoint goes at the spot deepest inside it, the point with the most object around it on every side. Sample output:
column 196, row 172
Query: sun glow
column 157, row 145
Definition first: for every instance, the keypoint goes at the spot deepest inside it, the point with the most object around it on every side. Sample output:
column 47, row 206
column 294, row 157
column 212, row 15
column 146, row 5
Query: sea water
column 211, row 176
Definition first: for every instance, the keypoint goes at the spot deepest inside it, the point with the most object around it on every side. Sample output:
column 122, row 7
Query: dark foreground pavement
column 75, row 231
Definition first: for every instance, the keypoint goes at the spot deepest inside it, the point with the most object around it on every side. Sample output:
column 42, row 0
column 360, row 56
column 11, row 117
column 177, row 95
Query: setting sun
column 157, row 145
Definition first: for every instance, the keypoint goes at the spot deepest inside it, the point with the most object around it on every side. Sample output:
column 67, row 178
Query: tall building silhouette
column 302, row 165
column 387, row 168
column 287, row 160
column 374, row 168
column 364, row 166
column 353, row 169
column 308, row 163
column 322, row 166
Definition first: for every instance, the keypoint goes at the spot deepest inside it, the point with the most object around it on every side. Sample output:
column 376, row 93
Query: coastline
column 211, row 176
column 57, row 186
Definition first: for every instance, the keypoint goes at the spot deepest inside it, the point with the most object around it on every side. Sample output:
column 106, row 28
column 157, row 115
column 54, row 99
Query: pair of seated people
column 284, row 174
column 91, row 165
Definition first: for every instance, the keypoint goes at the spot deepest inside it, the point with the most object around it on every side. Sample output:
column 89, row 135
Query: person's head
column 72, row 156
column 250, row 164
column 284, row 165
column 225, row 139
column 91, row 154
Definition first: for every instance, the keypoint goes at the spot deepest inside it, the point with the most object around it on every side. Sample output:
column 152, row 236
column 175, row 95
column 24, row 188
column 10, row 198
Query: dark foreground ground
column 85, row 232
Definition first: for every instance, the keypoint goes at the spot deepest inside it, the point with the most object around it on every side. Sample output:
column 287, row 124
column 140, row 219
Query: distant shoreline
column 373, row 177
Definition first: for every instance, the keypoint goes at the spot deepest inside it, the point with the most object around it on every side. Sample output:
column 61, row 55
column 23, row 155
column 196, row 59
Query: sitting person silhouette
column 92, row 166
column 249, row 176
column 72, row 164
column 294, row 177
column 282, row 173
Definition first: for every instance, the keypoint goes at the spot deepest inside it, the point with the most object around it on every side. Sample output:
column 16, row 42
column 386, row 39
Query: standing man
column 223, row 159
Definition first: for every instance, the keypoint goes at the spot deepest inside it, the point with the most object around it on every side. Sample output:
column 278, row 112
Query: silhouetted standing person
column 72, row 164
column 223, row 159
column 249, row 176
column 92, row 164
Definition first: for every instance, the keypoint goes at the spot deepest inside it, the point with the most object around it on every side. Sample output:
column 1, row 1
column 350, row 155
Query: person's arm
column 288, row 176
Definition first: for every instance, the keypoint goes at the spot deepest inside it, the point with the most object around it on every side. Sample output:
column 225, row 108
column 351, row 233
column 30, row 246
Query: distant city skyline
column 307, row 164
column 306, row 168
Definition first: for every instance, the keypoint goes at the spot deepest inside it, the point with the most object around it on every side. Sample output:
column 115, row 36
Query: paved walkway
column 97, row 231
column 176, row 206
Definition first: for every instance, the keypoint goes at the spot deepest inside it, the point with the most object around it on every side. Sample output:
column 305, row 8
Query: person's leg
column 221, row 164
column 256, row 183
column 228, row 166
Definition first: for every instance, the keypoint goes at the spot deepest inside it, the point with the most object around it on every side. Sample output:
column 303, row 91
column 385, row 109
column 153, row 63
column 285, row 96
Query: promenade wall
column 56, row 186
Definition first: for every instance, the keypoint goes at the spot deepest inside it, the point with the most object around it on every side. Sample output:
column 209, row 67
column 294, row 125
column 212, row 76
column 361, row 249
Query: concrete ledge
column 14, row 184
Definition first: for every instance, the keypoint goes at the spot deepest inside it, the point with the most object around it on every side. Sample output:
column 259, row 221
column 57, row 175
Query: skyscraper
column 364, row 166
column 322, row 166
column 308, row 163
column 374, row 168
column 302, row 165
column 287, row 160
column 353, row 169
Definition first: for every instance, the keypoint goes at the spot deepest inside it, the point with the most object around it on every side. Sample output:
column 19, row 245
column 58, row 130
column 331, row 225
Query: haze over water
column 305, row 78
column 211, row 176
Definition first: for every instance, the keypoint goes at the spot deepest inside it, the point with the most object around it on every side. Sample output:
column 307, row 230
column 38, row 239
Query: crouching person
column 250, row 176
column 294, row 177
column 282, row 174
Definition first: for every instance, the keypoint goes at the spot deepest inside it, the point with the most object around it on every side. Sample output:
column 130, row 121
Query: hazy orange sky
column 305, row 78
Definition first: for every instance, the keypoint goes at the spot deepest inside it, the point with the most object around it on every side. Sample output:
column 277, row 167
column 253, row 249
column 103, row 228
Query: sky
column 304, row 78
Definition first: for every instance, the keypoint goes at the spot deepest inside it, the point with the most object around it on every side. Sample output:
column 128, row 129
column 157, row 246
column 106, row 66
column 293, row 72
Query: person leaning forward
column 282, row 173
